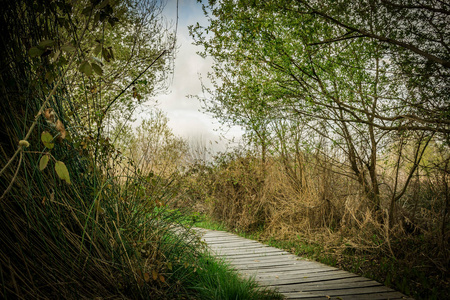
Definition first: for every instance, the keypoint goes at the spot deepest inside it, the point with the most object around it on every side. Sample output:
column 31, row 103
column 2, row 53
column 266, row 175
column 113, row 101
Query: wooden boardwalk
column 292, row 276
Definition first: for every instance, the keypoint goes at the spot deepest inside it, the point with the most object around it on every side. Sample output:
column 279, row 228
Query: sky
column 184, row 113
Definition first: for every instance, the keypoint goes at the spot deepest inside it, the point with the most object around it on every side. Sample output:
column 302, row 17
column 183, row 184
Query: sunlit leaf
column 47, row 139
column 43, row 162
column 154, row 274
column 169, row 266
column 62, row 172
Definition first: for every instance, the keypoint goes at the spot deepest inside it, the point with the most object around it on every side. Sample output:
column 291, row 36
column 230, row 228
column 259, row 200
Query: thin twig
column 15, row 175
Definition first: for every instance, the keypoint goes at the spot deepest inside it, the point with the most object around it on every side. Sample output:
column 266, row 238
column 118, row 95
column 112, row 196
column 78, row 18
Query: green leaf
column 68, row 48
column 111, row 53
column 97, row 49
column 46, row 43
column 35, row 52
column 106, row 55
column 47, row 139
column 62, row 172
column 43, row 162
column 86, row 68
column 97, row 61
column 87, row 11
column 97, row 69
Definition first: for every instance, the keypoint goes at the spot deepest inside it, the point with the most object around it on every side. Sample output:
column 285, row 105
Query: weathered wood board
column 292, row 276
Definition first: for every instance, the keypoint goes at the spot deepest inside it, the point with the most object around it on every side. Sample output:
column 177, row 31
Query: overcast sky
column 185, row 118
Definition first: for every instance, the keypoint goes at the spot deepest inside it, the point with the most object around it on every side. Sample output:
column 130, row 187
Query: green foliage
column 300, row 75
column 154, row 146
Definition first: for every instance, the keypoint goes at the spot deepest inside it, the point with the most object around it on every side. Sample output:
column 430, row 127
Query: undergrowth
column 323, row 216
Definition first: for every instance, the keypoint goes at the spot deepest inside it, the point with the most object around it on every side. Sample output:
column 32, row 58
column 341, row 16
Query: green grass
column 214, row 279
column 199, row 275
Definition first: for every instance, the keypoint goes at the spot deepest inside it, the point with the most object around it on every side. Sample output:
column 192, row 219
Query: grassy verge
column 214, row 279
column 195, row 274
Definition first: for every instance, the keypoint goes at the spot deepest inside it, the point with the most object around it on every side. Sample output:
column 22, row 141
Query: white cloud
column 185, row 118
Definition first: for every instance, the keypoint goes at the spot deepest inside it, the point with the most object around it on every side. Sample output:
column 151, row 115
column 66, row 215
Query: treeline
column 346, row 110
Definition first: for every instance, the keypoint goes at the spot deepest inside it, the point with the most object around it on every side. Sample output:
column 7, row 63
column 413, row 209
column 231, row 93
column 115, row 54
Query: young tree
column 155, row 148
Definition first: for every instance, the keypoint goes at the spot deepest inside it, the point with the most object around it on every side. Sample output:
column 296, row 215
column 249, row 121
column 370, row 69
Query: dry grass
column 319, row 206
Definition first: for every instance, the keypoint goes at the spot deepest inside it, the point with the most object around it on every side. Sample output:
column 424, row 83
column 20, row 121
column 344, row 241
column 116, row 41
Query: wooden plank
column 338, row 284
column 227, row 247
column 292, row 280
column 282, row 268
column 225, row 238
column 279, row 266
column 372, row 296
column 231, row 242
column 243, row 247
column 231, row 257
column 267, row 258
column 228, row 240
column 307, row 273
column 304, row 272
column 336, row 292
column 272, row 258
column 249, row 251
